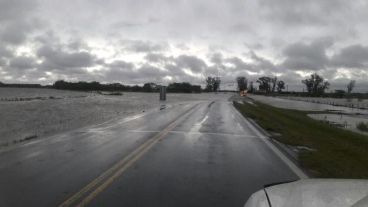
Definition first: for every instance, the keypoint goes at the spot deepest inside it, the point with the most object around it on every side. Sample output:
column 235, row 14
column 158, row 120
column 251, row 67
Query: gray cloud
column 143, row 46
column 302, row 56
column 157, row 57
column 354, row 56
column 17, row 21
column 193, row 63
column 5, row 52
column 159, row 39
column 15, row 10
column 240, row 65
column 299, row 12
column 22, row 62
column 59, row 59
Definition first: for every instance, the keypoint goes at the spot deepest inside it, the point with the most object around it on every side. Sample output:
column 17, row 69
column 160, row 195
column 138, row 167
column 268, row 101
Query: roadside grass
column 338, row 153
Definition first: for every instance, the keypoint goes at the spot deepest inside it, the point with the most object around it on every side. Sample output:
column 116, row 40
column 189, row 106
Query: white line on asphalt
column 281, row 155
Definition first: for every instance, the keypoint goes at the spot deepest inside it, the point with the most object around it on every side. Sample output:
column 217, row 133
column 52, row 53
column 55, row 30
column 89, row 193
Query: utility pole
column 162, row 93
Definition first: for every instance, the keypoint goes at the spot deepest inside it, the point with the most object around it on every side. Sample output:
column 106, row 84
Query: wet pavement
column 199, row 153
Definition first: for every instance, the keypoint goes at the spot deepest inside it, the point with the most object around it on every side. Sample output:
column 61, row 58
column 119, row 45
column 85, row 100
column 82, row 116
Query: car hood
column 313, row 193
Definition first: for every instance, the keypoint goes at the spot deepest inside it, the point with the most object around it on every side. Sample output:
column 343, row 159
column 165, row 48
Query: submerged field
column 35, row 113
column 331, row 152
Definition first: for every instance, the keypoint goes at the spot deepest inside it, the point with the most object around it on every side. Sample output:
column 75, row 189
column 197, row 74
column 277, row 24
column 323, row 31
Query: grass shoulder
column 338, row 153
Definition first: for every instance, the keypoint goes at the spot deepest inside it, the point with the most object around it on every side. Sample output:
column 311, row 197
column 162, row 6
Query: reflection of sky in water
column 305, row 106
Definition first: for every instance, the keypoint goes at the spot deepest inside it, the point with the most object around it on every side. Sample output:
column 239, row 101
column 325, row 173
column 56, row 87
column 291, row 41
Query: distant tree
column 209, row 83
column 60, row 84
column 242, row 83
column 212, row 83
column 316, row 84
column 149, row 87
column 280, row 86
column 251, row 87
column 264, row 84
column 183, row 88
column 217, row 83
column 136, row 88
column 351, row 86
column 339, row 93
column 274, row 83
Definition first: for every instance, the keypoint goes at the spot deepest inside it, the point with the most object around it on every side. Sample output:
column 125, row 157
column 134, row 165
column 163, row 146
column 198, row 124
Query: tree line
column 266, row 84
column 20, row 85
column 183, row 87
column 315, row 85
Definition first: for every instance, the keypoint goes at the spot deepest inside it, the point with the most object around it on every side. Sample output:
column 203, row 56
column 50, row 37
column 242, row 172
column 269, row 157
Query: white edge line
column 280, row 154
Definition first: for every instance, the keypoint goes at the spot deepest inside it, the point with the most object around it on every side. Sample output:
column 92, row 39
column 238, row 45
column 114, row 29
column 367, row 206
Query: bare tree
column 216, row 84
column 316, row 84
column 264, row 84
column 242, row 83
column 280, row 86
column 351, row 86
column 213, row 83
column 251, row 87
column 274, row 83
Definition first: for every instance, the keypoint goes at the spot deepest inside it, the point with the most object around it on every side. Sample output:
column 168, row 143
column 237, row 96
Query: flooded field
column 350, row 103
column 349, row 122
column 33, row 113
column 306, row 106
column 339, row 116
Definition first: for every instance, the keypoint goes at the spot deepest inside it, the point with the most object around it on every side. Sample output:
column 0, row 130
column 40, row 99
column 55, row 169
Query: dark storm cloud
column 168, row 39
column 60, row 59
column 121, row 71
column 304, row 56
column 354, row 56
column 263, row 63
column 120, row 64
column 240, row 65
column 193, row 63
column 22, row 63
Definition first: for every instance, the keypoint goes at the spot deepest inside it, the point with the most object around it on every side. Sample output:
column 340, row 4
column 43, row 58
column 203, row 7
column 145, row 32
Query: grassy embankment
column 339, row 153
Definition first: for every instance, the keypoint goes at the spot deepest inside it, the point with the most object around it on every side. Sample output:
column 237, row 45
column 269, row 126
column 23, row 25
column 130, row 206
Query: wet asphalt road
column 204, row 154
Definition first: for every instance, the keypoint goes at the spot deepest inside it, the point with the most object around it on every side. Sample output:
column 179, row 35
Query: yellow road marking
column 107, row 178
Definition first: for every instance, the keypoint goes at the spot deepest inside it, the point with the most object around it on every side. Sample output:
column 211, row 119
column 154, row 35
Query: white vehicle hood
column 313, row 193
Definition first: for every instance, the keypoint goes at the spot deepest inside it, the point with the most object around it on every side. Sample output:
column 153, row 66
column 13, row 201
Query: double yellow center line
column 99, row 184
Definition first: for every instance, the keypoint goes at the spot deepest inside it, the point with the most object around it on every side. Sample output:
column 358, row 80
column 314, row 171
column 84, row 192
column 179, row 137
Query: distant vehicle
column 313, row 193
column 243, row 93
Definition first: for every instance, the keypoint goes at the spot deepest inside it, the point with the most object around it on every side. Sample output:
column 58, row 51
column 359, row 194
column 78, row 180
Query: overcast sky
column 162, row 41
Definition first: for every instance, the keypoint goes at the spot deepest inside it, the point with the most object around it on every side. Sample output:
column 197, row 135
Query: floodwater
column 306, row 106
column 33, row 112
column 347, row 121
